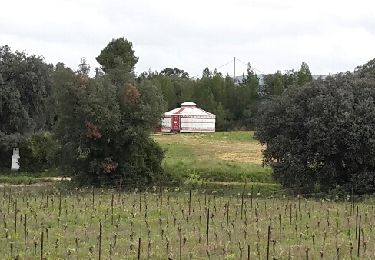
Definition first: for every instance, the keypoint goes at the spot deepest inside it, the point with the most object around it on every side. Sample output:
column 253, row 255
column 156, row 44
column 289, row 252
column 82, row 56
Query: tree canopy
column 117, row 54
column 25, row 94
column 104, row 123
column 320, row 136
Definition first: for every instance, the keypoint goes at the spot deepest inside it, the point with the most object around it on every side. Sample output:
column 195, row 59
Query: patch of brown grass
column 226, row 150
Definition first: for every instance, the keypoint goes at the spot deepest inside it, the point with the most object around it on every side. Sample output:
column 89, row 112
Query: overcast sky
column 331, row 36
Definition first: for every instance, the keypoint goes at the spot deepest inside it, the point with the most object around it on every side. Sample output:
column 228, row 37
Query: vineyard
column 46, row 223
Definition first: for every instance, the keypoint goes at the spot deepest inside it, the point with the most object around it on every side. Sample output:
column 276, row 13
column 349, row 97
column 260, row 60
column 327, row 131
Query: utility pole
column 234, row 68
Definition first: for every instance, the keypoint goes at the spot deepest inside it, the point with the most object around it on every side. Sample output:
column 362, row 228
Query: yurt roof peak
column 188, row 104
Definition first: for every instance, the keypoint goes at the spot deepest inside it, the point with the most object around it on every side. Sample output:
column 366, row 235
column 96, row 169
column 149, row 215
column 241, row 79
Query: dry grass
column 225, row 149
column 219, row 157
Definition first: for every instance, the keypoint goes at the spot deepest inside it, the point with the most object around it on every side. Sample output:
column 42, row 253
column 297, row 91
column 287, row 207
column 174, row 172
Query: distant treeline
column 233, row 101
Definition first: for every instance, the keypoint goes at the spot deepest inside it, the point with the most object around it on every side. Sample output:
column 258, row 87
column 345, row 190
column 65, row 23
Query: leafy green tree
column 290, row 78
column 105, row 122
column 38, row 152
column 174, row 72
column 222, row 118
column 26, row 88
column 304, row 74
column 168, row 89
column 206, row 73
column 319, row 136
column 250, row 94
column 117, row 54
column 175, row 85
column 367, row 70
column 274, row 84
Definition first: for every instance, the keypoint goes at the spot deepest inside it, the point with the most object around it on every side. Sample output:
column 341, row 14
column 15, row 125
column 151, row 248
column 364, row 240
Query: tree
column 290, row 78
column 304, row 74
column 118, row 53
column 175, row 85
column 206, row 73
column 274, row 84
column 250, row 94
column 105, row 123
column 319, row 136
column 222, row 118
column 25, row 93
column 174, row 72
column 367, row 70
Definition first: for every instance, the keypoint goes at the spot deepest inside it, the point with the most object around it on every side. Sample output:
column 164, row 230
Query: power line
column 244, row 63
column 241, row 61
column 251, row 67
column 224, row 64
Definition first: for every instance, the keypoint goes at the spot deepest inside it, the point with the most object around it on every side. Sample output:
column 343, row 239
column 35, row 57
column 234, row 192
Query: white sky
column 330, row 35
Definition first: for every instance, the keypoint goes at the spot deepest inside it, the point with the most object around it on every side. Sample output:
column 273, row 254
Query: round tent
column 188, row 118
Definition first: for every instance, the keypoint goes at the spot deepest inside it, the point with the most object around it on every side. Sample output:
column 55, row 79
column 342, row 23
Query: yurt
column 188, row 118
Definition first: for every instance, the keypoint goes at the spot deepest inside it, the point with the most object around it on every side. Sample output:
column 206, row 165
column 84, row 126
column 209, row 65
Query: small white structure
column 188, row 118
column 15, row 159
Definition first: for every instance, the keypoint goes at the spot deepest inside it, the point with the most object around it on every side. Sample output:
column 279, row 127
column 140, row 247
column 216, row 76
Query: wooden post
column 268, row 242
column 228, row 213
column 207, row 224
column 100, row 239
column 139, row 249
column 242, row 195
column 112, row 209
column 189, row 202
column 41, row 246
column 359, row 237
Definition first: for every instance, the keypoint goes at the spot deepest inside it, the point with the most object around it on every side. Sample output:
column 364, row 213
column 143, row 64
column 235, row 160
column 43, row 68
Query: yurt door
column 175, row 123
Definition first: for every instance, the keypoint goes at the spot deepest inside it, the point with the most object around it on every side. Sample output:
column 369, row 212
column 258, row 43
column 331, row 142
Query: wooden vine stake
column 100, row 239
column 25, row 228
column 242, row 197
column 41, row 245
column 359, row 237
column 93, row 198
column 268, row 242
column 228, row 213
column 207, row 224
column 59, row 207
column 190, row 202
column 139, row 249
column 112, row 199
column 180, row 249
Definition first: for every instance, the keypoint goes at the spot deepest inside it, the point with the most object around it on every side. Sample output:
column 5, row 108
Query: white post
column 15, row 159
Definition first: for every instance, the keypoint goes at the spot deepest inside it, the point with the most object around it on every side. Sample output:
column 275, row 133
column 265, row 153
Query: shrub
column 320, row 137
column 37, row 152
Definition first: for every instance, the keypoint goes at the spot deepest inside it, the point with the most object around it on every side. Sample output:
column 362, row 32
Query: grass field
column 42, row 223
column 219, row 162
column 222, row 158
